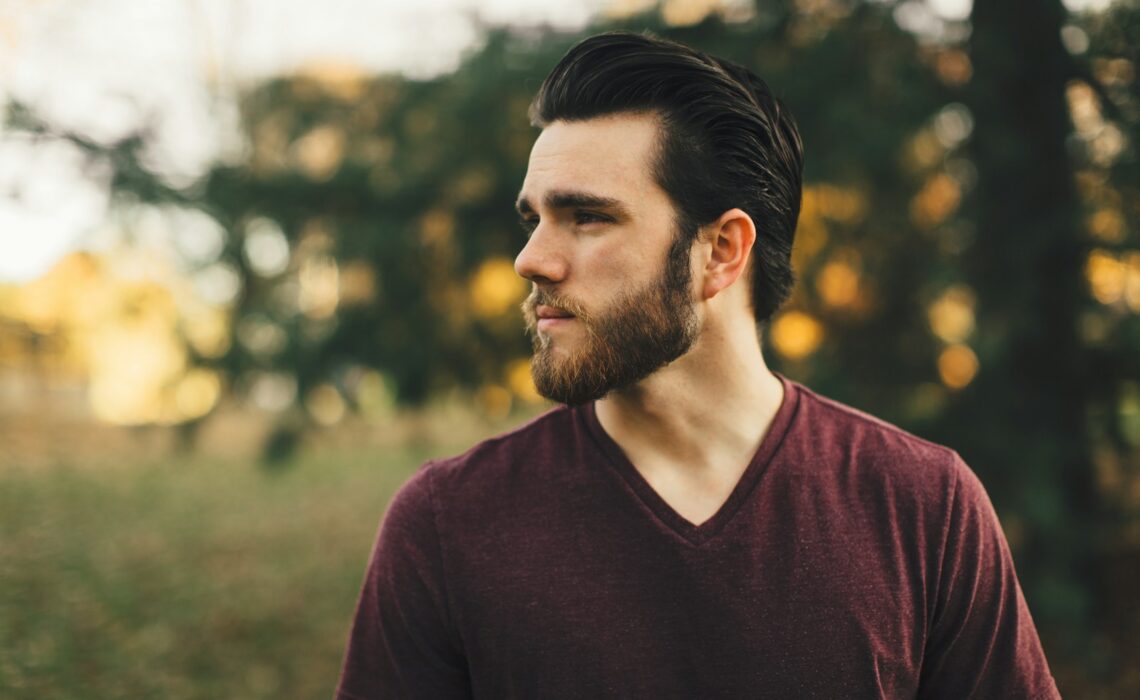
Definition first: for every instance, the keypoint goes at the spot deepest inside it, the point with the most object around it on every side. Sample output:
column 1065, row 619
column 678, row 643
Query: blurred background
column 256, row 265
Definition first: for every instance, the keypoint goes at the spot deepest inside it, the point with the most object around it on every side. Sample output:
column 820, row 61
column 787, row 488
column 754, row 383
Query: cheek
column 605, row 266
column 613, row 261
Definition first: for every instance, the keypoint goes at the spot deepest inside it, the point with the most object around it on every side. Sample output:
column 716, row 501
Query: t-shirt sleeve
column 402, row 643
column 982, row 642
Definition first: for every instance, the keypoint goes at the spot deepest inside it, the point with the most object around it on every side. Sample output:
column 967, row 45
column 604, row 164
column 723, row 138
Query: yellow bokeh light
column 1107, row 276
column 795, row 335
column 811, row 237
column 126, row 325
column 843, row 205
column 811, row 230
column 320, row 287
column 838, row 282
column 1084, row 108
column 496, row 288
column 1107, row 225
column 685, row 13
column 1107, row 145
column 1114, row 71
column 1132, row 285
column 494, row 401
column 951, row 316
column 319, row 153
column 957, row 366
column 131, row 362
column 340, row 80
column 621, row 9
column 809, row 203
column 935, row 202
column 521, row 382
column 1096, row 190
column 325, row 405
column 953, row 67
column 196, row 393
column 208, row 332
column 74, row 292
column 923, row 151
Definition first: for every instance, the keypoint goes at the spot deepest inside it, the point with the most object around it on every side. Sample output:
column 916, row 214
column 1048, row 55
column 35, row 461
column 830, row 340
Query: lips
column 550, row 312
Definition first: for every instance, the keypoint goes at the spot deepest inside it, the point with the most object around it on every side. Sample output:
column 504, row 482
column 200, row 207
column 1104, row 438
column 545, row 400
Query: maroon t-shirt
column 852, row 560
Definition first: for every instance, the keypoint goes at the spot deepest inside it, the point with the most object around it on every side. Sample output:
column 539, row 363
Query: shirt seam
column 851, row 411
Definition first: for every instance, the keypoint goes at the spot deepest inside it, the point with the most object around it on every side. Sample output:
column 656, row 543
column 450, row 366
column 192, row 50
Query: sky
column 101, row 67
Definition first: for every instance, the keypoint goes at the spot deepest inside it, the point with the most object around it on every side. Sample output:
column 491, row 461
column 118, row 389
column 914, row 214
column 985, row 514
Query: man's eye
column 528, row 225
column 588, row 217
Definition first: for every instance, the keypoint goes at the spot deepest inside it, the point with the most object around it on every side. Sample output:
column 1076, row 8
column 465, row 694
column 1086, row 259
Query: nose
column 541, row 260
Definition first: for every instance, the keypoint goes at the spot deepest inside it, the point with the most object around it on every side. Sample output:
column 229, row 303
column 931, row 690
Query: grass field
column 190, row 579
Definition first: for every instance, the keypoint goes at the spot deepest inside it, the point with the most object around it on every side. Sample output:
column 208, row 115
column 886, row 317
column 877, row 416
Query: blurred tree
column 393, row 200
column 1053, row 357
column 1027, row 411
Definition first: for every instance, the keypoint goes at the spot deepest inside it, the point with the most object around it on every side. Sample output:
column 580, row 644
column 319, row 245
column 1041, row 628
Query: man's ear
column 730, row 238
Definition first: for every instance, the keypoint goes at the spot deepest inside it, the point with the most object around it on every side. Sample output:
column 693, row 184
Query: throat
column 694, row 494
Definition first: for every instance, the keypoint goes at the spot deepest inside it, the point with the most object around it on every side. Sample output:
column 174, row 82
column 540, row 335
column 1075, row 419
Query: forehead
column 607, row 156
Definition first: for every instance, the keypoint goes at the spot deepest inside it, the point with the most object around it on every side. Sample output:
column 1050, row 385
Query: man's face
column 612, row 300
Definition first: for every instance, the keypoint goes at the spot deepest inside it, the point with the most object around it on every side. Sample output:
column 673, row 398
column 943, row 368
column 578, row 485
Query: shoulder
column 843, row 426
column 502, row 451
column 875, row 455
column 503, row 463
column 455, row 494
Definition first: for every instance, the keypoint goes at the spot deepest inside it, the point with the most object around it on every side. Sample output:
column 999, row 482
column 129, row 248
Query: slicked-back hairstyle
column 726, row 140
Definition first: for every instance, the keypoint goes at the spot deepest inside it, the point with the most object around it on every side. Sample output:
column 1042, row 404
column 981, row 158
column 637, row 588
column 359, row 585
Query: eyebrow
column 567, row 199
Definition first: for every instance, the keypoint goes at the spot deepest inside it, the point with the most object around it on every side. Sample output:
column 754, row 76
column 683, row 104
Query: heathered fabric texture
column 853, row 560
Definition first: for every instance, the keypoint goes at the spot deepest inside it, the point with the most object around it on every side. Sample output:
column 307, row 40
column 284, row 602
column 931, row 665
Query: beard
column 641, row 331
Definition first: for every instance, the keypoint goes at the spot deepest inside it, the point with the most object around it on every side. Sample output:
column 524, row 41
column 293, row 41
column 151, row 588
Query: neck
column 706, row 412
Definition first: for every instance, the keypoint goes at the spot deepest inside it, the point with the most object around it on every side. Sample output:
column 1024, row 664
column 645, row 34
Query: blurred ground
column 161, row 576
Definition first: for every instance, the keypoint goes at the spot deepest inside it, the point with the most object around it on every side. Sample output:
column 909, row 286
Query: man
column 689, row 524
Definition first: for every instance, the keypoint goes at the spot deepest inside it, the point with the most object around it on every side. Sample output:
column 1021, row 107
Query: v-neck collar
column 665, row 514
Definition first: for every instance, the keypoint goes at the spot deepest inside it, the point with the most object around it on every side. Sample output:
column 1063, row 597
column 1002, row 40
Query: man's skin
column 692, row 427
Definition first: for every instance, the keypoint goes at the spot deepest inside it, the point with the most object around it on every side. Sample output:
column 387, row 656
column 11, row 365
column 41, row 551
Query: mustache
column 541, row 297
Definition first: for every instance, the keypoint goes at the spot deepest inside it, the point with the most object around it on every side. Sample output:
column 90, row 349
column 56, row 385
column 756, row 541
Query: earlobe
column 730, row 239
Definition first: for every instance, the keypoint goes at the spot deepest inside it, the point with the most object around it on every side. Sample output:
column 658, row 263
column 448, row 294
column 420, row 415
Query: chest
column 617, row 604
